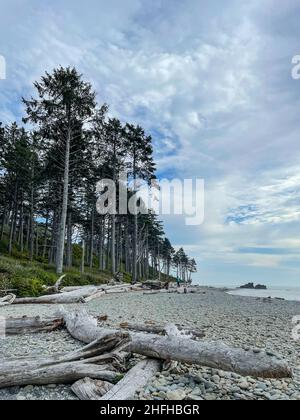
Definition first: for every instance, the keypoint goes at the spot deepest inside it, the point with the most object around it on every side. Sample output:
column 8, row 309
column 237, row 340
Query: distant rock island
column 251, row 286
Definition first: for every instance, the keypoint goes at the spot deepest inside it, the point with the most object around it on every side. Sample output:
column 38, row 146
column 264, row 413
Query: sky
column 211, row 81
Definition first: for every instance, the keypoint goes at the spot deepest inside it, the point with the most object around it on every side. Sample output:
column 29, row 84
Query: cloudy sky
column 211, row 80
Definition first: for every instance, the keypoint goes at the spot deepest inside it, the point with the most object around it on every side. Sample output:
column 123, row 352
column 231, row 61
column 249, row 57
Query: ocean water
column 283, row 293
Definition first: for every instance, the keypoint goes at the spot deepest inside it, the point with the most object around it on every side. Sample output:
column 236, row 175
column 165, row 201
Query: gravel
column 245, row 322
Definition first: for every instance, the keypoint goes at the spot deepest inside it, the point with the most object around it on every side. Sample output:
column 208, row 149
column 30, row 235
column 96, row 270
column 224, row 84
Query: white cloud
column 214, row 81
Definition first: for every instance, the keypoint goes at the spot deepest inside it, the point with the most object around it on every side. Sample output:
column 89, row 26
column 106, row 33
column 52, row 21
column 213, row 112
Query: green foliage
column 28, row 278
column 127, row 277
column 28, row 287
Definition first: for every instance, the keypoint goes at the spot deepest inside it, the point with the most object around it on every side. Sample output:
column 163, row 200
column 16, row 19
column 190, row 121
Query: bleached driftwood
column 91, row 361
column 71, row 297
column 96, row 295
column 135, row 380
column 68, row 289
column 25, row 325
column 91, row 389
column 7, row 300
column 180, row 348
column 80, row 294
column 119, row 290
column 57, row 285
column 159, row 329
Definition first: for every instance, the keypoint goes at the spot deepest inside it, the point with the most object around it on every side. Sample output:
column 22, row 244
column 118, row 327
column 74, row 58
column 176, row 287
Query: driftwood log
column 91, row 389
column 159, row 329
column 102, row 359
column 79, row 294
column 57, row 285
column 15, row 326
column 7, row 300
column 70, row 297
column 178, row 347
column 135, row 380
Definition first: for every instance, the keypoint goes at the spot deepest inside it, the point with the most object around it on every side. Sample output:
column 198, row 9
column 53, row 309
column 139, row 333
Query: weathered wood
column 75, row 296
column 15, row 326
column 96, row 295
column 160, row 329
column 91, row 361
column 57, row 285
column 7, row 300
column 89, row 389
column 120, row 290
column 153, row 284
column 150, row 292
column 134, row 381
column 177, row 347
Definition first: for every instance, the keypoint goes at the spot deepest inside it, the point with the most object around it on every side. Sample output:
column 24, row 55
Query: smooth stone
column 244, row 385
column 210, row 397
column 178, row 395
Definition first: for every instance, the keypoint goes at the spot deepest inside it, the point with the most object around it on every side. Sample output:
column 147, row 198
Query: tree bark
column 69, row 240
column 63, row 218
column 92, row 237
column 83, row 257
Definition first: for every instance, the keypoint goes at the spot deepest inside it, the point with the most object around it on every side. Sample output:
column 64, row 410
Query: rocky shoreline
column 251, row 323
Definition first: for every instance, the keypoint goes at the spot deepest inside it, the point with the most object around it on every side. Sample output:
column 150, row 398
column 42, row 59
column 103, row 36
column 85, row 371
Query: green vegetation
column 29, row 278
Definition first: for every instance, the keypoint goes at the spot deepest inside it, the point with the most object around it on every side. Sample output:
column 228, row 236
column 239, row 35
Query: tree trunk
column 160, row 329
column 63, row 218
column 90, row 361
column 7, row 300
column 16, row 326
column 92, row 238
column 83, row 257
column 90, row 390
column 134, row 381
column 45, row 236
column 177, row 347
column 134, row 250
column 76, row 296
column 69, row 240
column 101, row 243
column 31, row 234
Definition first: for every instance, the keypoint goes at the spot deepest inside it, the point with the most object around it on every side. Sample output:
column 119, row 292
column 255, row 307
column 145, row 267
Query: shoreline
column 236, row 320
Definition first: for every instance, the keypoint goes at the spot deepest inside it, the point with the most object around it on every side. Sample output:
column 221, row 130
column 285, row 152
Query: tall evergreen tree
column 63, row 105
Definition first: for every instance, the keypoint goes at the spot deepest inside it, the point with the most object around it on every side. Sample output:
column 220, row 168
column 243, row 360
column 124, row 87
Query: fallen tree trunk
column 96, row 295
column 15, row 326
column 7, row 300
column 179, row 348
column 91, row 361
column 89, row 389
column 159, row 329
column 75, row 296
column 119, row 290
column 135, row 380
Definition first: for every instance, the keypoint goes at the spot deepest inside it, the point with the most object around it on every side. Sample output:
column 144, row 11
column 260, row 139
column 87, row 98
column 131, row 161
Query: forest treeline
column 49, row 168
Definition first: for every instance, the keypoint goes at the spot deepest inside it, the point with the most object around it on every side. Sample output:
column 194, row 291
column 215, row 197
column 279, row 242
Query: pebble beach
column 249, row 322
